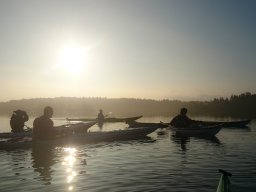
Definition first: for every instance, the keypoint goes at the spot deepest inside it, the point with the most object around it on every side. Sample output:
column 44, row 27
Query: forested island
column 242, row 106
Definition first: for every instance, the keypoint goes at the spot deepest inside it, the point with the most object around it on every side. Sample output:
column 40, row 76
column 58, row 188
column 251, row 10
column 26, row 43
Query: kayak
column 227, row 124
column 13, row 135
column 197, row 131
column 108, row 119
column 77, row 127
column 134, row 124
column 74, row 138
column 224, row 182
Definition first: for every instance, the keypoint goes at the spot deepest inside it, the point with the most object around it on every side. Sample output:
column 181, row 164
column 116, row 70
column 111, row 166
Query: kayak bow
column 224, row 182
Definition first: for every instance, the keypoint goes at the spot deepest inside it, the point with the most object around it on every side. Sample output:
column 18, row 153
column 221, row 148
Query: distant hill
column 243, row 106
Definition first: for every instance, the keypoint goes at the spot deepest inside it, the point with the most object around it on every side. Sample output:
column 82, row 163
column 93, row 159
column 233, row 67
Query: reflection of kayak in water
column 108, row 119
column 224, row 182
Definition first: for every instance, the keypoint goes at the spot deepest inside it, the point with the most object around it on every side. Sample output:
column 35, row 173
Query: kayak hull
column 107, row 120
column 134, row 124
column 197, row 131
column 78, row 138
column 227, row 124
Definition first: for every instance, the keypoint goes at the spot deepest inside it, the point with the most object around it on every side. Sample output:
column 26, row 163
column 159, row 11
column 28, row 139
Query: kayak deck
column 76, row 127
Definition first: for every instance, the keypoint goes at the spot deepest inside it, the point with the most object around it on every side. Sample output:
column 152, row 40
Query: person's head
column 48, row 111
column 20, row 113
column 183, row 111
column 101, row 111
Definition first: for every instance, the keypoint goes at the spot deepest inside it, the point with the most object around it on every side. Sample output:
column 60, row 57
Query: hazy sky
column 176, row 49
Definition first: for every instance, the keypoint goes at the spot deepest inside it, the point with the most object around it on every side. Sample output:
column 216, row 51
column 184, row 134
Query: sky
column 151, row 49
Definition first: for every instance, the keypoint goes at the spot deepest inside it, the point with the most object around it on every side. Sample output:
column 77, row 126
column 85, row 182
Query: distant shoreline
column 243, row 106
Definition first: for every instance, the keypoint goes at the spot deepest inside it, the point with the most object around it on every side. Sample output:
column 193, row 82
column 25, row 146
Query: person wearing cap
column 182, row 120
column 43, row 127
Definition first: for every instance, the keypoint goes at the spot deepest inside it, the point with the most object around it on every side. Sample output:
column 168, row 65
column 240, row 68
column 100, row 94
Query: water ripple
column 157, row 163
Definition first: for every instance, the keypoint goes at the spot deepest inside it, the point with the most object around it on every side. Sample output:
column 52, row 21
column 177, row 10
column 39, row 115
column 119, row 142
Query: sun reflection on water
column 69, row 161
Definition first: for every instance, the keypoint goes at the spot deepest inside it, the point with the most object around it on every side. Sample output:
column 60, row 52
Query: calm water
column 160, row 163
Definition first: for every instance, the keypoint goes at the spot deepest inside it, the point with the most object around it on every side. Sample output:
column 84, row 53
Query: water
column 160, row 163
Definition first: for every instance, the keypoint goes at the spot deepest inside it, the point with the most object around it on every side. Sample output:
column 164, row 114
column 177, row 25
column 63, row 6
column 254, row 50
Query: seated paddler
column 101, row 117
column 43, row 127
column 18, row 119
column 182, row 120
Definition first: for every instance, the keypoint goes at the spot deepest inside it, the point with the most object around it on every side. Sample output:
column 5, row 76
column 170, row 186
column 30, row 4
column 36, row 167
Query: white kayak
column 86, row 137
column 77, row 127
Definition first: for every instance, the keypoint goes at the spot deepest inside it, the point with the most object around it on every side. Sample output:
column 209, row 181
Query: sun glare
column 72, row 59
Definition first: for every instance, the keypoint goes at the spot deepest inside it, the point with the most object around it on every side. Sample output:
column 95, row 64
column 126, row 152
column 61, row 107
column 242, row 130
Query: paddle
column 166, row 125
column 28, row 128
column 163, row 129
column 109, row 113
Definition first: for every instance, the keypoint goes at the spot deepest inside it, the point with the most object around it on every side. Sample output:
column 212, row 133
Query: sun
column 72, row 59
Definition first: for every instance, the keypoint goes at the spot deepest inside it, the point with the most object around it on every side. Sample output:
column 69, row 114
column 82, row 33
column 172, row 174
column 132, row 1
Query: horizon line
column 97, row 97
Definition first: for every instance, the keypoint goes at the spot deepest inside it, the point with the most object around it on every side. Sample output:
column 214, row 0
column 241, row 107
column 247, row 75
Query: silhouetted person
column 100, row 117
column 182, row 120
column 43, row 126
column 18, row 120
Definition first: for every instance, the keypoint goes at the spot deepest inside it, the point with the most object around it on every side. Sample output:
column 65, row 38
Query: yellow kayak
column 224, row 182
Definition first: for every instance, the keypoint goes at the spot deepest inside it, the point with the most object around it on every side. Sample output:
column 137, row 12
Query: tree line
column 240, row 106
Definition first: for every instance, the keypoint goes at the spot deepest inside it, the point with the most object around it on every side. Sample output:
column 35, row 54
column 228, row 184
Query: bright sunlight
column 72, row 59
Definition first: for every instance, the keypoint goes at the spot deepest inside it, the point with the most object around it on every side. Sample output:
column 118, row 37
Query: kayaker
column 182, row 120
column 43, row 126
column 100, row 118
column 18, row 119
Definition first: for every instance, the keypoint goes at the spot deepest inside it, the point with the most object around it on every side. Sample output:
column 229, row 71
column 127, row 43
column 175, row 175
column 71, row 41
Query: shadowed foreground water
column 158, row 163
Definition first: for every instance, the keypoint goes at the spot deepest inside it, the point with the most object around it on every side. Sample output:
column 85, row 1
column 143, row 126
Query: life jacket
column 18, row 120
